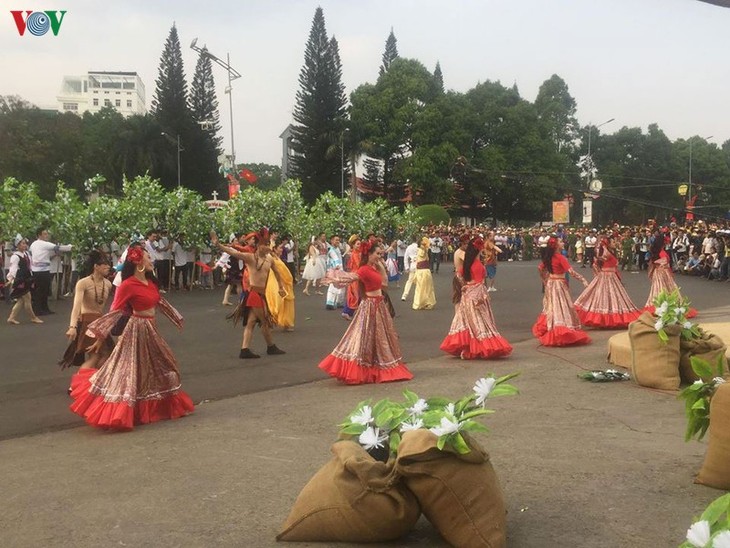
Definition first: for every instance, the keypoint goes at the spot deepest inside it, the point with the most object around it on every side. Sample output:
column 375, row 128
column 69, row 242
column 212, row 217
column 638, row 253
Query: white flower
column 413, row 424
column 450, row 409
column 662, row 309
column 364, row 416
column 722, row 540
column 659, row 324
column 719, row 380
column 447, row 427
column 418, row 408
column 699, row 381
column 612, row 371
column 482, row 389
column 699, row 534
column 687, row 325
column 371, row 438
column 680, row 310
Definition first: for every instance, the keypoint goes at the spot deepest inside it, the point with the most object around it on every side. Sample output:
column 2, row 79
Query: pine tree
column 319, row 115
column 390, row 53
column 438, row 78
column 203, row 100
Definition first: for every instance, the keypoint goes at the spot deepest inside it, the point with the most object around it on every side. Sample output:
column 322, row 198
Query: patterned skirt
column 558, row 323
column 75, row 354
column 473, row 333
column 369, row 351
column 138, row 384
column 605, row 303
column 662, row 280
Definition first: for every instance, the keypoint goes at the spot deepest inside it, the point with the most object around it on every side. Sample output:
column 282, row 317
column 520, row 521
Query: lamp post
column 689, row 174
column 588, row 202
column 590, row 130
column 232, row 75
column 179, row 150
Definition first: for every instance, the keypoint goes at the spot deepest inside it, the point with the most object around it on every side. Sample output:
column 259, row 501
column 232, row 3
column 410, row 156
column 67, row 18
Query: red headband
column 135, row 255
column 552, row 242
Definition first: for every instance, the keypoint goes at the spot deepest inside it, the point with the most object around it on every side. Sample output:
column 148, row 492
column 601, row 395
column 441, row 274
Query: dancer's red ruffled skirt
column 558, row 335
column 120, row 415
column 605, row 303
column 617, row 320
column 473, row 333
column 369, row 351
column 662, row 280
column 558, row 323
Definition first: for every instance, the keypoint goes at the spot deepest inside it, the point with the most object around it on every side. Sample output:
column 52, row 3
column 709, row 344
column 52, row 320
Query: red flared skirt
column 369, row 351
column 605, row 304
column 558, row 323
column 662, row 280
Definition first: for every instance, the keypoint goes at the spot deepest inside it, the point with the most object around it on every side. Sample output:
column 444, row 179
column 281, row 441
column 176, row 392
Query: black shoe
column 274, row 350
column 329, row 307
column 246, row 354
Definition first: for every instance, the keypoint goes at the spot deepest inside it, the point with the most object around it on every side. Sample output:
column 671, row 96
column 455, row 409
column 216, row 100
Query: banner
column 561, row 212
column 233, row 189
column 587, row 212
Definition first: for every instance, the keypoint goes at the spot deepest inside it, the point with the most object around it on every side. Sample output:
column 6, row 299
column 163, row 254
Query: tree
column 319, row 114
column 556, row 109
column 438, row 78
column 390, row 54
column 269, row 176
column 203, row 101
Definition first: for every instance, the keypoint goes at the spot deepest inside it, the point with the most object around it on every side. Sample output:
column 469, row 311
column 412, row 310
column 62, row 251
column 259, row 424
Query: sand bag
column 654, row 363
column 708, row 347
column 715, row 470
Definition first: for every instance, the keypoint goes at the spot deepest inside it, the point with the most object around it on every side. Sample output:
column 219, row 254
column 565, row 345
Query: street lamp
column 689, row 175
column 232, row 75
column 179, row 150
column 590, row 130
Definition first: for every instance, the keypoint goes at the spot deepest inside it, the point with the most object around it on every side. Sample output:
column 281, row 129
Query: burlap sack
column 709, row 347
column 459, row 494
column 654, row 363
column 352, row 498
column 715, row 471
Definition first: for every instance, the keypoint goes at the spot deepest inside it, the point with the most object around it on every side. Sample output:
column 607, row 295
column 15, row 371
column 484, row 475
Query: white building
column 90, row 93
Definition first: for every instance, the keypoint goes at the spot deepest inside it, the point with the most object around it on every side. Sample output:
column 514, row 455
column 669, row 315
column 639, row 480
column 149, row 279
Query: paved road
column 33, row 390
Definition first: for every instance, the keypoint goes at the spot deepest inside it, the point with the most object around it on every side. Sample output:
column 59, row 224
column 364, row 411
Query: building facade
column 123, row 91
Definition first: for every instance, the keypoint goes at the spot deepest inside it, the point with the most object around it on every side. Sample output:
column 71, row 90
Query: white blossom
column 371, row 438
column 413, row 424
column 699, row 381
column 719, row 380
column 659, row 324
column 722, row 540
column 687, row 325
column 662, row 309
column 698, row 534
column 482, row 388
column 680, row 310
column 447, row 427
column 450, row 409
column 418, row 408
column 364, row 416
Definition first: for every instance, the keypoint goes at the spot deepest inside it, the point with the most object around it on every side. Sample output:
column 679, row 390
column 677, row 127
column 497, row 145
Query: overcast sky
column 638, row 61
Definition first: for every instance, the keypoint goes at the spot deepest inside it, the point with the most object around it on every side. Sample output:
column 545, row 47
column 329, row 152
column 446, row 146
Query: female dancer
column 90, row 296
column 425, row 297
column 605, row 303
column 369, row 350
column 139, row 383
column 558, row 324
column 352, row 298
column 21, row 280
column 281, row 307
column 473, row 333
column 660, row 274
column 391, row 263
column 314, row 269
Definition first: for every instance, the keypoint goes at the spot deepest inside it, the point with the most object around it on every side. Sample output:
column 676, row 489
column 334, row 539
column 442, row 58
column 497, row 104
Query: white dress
column 314, row 268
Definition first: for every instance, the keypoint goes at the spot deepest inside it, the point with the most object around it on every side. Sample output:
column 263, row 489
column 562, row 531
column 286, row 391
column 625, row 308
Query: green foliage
column 21, row 209
column 716, row 522
column 432, row 214
column 697, row 396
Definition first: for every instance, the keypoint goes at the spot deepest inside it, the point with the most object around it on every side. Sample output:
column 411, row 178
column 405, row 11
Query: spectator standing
column 41, row 252
column 434, row 252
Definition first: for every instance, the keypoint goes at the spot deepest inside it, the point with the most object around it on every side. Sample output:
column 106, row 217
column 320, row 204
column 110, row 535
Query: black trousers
column 590, row 254
column 163, row 273
column 39, row 295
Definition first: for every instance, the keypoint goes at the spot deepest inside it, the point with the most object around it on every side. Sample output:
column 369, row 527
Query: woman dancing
column 369, row 350
column 660, row 274
column 605, row 303
column 425, row 297
column 473, row 333
column 558, row 323
column 90, row 296
column 139, row 383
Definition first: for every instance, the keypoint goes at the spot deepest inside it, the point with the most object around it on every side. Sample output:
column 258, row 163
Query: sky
column 637, row 61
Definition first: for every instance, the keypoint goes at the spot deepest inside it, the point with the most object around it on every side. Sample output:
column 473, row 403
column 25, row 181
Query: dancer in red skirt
column 369, row 350
column 473, row 333
column 660, row 274
column 558, row 323
column 605, row 303
column 139, row 383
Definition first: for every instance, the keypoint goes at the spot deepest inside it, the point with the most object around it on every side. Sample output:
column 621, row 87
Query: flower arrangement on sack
column 712, row 529
column 609, row 375
column 379, row 425
column 697, row 396
column 671, row 309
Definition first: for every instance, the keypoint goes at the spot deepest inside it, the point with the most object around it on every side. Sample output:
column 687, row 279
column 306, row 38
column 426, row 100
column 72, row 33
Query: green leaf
column 504, row 390
column 504, row 379
column 353, row 429
column 475, row 413
column 701, row 367
column 411, row 397
column 459, row 444
column 716, row 509
column 394, row 441
column 441, row 441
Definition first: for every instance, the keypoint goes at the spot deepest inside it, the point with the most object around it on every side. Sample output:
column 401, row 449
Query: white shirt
column 181, row 256
column 289, row 251
column 400, row 248
column 151, row 248
column 118, row 276
column 206, row 254
column 542, row 241
column 164, row 255
column 409, row 257
column 41, row 253
column 436, row 244
column 590, row 241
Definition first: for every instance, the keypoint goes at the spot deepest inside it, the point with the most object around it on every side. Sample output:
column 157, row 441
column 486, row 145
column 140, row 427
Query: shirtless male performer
column 255, row 309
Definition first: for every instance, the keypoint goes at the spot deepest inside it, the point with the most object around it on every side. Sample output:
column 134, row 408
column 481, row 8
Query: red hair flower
column 135, row 255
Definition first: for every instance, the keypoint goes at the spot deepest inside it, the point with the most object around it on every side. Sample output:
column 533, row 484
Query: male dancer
column 458, row 282
column 254, row 309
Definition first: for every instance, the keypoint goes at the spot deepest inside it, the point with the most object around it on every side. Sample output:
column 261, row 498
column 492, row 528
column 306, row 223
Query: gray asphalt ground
column 581, row 464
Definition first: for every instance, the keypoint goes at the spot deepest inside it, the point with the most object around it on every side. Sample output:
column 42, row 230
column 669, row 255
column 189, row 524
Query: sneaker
column 274, row 350
column 246, row 354
column 346, row 317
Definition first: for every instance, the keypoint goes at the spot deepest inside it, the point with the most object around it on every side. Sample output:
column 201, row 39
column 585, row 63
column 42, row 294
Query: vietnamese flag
column 249, row 175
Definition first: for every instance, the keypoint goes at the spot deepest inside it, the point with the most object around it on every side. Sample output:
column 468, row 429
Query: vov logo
column 38, row 22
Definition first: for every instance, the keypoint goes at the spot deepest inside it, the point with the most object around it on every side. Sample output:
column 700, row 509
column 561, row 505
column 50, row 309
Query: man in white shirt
column 164, row 250
column 289, row 257
column 435, row 252
column 400, row 249
column 589, row 243
column 41, row 252
column 409, row 260
column 542, row 242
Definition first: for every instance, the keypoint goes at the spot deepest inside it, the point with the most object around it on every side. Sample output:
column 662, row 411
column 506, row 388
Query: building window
column 96, row 102
column 107, row 103
column 96, row 91
column 117, row 103
column 71, row 106
column 129, row 104
column 106, row 93
column 118, row 92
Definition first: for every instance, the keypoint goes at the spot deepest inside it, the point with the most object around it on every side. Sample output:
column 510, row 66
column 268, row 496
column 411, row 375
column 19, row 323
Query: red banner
column 233, row 189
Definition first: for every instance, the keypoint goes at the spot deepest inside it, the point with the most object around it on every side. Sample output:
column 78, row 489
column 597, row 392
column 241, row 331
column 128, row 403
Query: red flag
column 249, row 175
column 233, row 189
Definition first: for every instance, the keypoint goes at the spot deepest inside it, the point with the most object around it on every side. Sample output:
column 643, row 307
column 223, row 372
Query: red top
column 370, row 278
column 136, row 294
column 478, row 272
column 609, row 261
column 559, row 263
